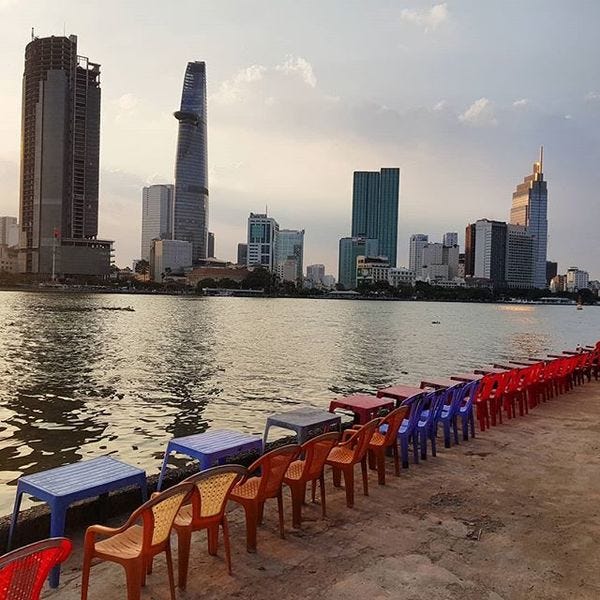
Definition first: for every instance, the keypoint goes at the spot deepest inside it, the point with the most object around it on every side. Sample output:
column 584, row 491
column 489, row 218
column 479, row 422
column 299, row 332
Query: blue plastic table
column 210, row 447
column 62, row 486
column 306, row 422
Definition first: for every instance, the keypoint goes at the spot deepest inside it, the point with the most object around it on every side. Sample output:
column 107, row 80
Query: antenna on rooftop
column 541, row 159
column 32, row 34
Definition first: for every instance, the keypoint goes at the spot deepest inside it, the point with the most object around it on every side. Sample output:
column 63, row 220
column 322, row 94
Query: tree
column 261, row 279
column 142, row 267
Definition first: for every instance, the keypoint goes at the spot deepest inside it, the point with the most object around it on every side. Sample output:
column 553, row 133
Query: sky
column 459, row 95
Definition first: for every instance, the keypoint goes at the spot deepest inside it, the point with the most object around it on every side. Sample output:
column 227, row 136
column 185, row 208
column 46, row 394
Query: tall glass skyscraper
column 350, row 249
column 375, row 209
column 190, row 206
column 157, row 212
column 530, row 209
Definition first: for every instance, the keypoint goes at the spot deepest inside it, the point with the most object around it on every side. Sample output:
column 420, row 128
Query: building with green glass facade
column 375, row 209
column 350, row 249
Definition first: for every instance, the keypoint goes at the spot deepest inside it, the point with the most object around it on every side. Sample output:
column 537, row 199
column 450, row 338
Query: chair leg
column 85, row 574
column 280, row 510
column 212, row 535
column 170, row 569
column 404, row 451
column 184, row 539
column 365, row 476
column 349, row 485
column 296, row 493
column 322, row 490
column 455, row 429
column 337, row 477
column 226, row 543
column 381, row 466
column 133, row 574
column 314, row 490
column 251, row 511
column 396, row 458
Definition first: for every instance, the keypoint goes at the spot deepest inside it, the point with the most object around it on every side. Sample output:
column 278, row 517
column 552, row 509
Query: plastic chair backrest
column 273, row 466
column 393, row 420
column 157, row 515
column 315, row 452
column 24, row 571
column 469, row 394
column 456, row 394
column 361, row 439
column 415, row 404
column 211, row 490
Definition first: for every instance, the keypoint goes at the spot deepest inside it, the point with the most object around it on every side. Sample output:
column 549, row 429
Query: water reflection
column 77, row 381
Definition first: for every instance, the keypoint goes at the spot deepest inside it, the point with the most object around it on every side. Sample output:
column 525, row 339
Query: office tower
column 328, row 281
column 576, row 279
column 551, row 271
column 169, row 257
column 211, row 245
column 529, row 209
column 520, row 257
column 242, row 254
column 60, row 162
column 157, row 216
column 190, row 213
column 450, row 239
column 418, row 241
column 489, row 260
column 315, row 273
column 9, row 231
column 262, row 241
column 470, row 250
column 375, row 209
column 350, row 249
column 290, row 247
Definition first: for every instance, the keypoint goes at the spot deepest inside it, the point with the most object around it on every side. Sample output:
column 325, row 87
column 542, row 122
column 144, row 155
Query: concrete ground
column 513, row 514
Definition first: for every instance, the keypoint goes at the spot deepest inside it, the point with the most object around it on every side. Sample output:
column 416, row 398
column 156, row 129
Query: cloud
column 127, row 102
column 8, row 3
column 520, row 103
column 480, row 113
column 301, row 66
column 592, row 97
column 232, row 90
column 439, row 106
column 430, row 19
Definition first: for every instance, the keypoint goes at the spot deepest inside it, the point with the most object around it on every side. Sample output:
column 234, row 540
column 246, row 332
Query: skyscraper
column 211, row 245
column 9, row 231
column 315, row 273
column 350, row 249
column 190, row 212
column 490, row 251
column 262, row 241
column 242, row 254
column 530, row 209
column 157, row 216
column 375, row 209
column 470, row 239
column 290, row 247
column 450, row 239
column 60, row 161
column 418, row 241
column 520, row 257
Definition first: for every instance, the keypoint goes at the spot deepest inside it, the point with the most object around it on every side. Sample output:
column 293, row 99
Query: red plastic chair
column 23, row 571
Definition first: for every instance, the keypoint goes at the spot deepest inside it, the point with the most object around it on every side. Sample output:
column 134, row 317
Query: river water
column 78, row 380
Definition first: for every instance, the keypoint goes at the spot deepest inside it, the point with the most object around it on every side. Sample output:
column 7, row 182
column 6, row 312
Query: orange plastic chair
column 345, row 455
column 206, row 510
column 252, row 492
column 134, row 546
column 380, row 442
column 23, row 571
column 309, row 468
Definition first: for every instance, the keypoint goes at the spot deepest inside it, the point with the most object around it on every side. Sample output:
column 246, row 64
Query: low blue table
column 211, row 447
column 62, row 486
column 307, row 422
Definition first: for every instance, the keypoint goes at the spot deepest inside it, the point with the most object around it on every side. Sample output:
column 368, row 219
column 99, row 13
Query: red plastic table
column 467, row 377
column 399, row 392
column 438, row 383
column 364, row 406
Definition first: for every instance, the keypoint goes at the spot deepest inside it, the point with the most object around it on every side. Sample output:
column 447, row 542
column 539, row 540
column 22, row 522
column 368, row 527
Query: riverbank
column 512, row 514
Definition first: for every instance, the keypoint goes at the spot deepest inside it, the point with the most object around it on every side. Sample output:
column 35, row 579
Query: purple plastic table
column 305, row 421
column 62, row 486
column 210, row 447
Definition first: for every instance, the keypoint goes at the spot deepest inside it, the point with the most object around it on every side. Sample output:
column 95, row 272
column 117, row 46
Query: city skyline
column 461, row 144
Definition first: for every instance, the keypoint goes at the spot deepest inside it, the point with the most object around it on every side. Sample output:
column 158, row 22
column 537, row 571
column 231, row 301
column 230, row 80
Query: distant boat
column 579, row 304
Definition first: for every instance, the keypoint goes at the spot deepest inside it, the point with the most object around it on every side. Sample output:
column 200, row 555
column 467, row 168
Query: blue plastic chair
column 466, row 410
column 448, row 416
column 426, row 428
column 407, row 431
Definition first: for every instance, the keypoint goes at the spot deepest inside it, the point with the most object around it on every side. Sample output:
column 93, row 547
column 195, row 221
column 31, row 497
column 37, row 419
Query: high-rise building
column 157, row 216
column 290, row 247
column 530, row 209
column 576, row 279
column 9, row 231
column 551, row 271
column 169, row 256
column 262, row 241
column 350, row 249
column 489, row 256
column 470, row 250
column 60, row 162
column 315, row 273
column 211, row 245
column 375, row 209
column 450, row 239
column 242, row 254
column 190, row 208
column 418, row 241
column 520, row 257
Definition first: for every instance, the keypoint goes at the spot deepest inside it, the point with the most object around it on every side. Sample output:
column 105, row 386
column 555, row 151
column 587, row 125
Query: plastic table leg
column 58, row 513
column 163, row 469
column 15, row 517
